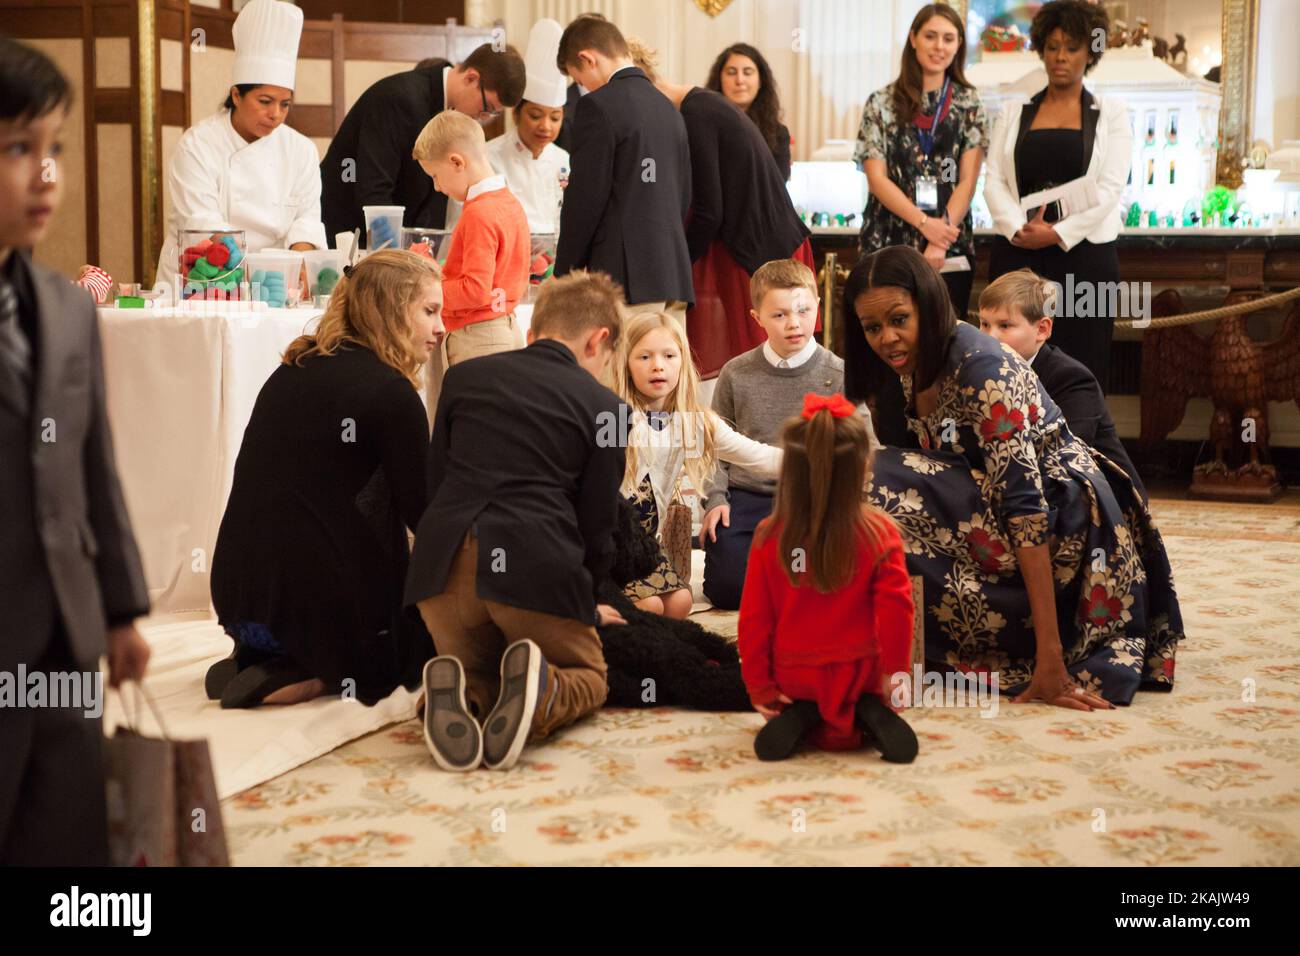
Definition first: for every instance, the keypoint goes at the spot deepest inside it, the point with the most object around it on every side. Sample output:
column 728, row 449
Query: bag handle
column 141, row 692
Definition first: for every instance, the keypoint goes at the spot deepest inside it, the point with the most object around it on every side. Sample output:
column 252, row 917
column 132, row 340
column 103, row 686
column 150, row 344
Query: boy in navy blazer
column 1015, row 309
column 630, row 184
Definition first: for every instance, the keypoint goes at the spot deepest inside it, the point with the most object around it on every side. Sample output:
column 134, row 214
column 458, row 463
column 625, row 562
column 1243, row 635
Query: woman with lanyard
column 242, row 168
column 922, row 176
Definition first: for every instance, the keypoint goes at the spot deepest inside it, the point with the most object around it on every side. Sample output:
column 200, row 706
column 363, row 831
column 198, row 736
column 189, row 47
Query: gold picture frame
column 1237, row 88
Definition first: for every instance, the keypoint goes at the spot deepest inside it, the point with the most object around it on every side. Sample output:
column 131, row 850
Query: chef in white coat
column 535, row 169
column 243, row 168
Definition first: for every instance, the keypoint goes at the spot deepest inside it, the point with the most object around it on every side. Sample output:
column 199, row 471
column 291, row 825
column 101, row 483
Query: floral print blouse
column 883, row 136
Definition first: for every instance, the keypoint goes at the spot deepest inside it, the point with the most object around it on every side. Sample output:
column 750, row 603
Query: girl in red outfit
column 826, row 613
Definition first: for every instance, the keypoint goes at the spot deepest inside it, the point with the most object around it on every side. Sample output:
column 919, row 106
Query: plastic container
column 541, row 261
column 211, row 263
column 383, row 226
column 430, row 243
column 275, row 278
column 324, row 269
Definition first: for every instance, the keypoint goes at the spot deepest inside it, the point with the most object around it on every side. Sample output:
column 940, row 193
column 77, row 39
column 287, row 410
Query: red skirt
column 719, row 326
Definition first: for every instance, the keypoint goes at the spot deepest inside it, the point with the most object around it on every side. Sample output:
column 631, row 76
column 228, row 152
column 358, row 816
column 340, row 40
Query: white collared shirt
column 486, row 185
column 794, row 361
column 1034, row 356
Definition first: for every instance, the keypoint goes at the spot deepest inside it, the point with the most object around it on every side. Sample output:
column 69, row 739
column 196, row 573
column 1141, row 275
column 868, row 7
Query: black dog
column 656, row 661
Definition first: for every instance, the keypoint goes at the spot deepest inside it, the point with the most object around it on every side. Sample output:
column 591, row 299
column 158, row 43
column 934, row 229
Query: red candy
column 218, row 254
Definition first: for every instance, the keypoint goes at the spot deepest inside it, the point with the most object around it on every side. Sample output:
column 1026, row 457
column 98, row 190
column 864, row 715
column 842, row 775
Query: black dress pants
column 53, row 810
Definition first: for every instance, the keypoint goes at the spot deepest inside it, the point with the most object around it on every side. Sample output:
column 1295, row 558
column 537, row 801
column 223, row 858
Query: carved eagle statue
column 1239, row 375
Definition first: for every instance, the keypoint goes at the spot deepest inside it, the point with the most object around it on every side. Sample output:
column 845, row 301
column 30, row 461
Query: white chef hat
column 266, row 35
column 546, row 85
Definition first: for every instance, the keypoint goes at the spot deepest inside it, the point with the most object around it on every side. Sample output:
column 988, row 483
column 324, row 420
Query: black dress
column 1047, row 158
column 312, row 546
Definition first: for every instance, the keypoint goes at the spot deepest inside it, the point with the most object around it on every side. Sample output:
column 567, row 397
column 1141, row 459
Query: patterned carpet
column 1202, row 776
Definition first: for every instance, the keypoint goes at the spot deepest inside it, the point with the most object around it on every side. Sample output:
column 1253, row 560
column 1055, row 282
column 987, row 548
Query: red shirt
column 486, row 271
column 781, row 624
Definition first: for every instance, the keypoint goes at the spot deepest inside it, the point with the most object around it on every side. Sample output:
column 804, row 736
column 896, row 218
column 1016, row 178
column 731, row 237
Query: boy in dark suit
column 369, row 161
column 72, row 582
column 630, row 184
column 1016, row 310
column 524, row 471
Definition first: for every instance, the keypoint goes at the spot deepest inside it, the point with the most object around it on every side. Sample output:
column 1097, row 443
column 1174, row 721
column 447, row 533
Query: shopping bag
column 163, row 808
column 675, row 536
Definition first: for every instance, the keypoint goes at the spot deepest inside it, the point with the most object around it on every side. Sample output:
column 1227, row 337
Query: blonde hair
column 1024, row 290
column 450, row 132
column 369, row 308
column 575, row 304
column 819, row 506
column 780, row 274
column 682, row 403
column 644, row 57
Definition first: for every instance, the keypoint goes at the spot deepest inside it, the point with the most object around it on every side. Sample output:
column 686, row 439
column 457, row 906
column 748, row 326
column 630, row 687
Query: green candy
column 206, row 269
column 326, row 280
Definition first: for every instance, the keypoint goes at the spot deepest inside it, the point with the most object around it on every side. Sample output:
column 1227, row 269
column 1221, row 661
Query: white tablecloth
column 181, row 387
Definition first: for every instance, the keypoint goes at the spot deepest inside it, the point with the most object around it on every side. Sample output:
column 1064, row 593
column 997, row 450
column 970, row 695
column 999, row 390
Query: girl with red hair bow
column 826, row 613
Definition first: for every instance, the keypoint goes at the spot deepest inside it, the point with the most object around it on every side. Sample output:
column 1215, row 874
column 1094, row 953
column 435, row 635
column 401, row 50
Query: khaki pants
column 477, row 632
column 674, row 308
column 472, row 341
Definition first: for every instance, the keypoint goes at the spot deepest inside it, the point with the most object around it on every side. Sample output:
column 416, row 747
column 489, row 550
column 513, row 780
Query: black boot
column 885, row 730
column 781, row 736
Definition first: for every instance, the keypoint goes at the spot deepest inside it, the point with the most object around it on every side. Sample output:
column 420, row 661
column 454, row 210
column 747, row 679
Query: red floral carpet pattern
column 1206, row 775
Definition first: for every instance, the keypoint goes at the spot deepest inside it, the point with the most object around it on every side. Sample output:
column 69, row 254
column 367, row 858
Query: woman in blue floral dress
column 1039, row 561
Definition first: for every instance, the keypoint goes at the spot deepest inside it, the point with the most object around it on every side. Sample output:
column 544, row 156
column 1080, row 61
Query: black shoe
column 254, row 684
column 782, row 735
column 885, row 730
column 451, row 734
column 524, row 684
column 219, row 675
column 223, row 672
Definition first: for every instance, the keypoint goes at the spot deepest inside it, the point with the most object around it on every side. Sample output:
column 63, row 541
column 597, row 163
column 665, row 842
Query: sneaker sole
column 521, row 659
column 440, row 675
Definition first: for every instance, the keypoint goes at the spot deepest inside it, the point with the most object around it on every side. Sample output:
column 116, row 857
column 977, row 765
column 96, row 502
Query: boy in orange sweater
column 486, row 272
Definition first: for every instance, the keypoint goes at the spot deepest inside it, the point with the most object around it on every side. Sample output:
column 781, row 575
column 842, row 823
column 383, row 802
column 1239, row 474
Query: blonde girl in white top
column 670, row 436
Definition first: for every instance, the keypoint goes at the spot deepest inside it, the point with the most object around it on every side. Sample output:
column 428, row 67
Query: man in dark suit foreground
column 630, row 180
column 72, row 583
column 1016, row 310
column 524, row 471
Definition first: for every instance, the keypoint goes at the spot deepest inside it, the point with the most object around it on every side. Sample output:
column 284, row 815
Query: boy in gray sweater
column 756, row 392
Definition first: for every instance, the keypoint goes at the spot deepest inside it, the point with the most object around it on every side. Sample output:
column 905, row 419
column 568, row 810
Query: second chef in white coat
column 535, row 169
column 243, row 168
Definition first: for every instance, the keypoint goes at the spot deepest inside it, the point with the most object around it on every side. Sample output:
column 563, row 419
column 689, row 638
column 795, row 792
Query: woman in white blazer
column 242, row 168
column 1063, row 133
